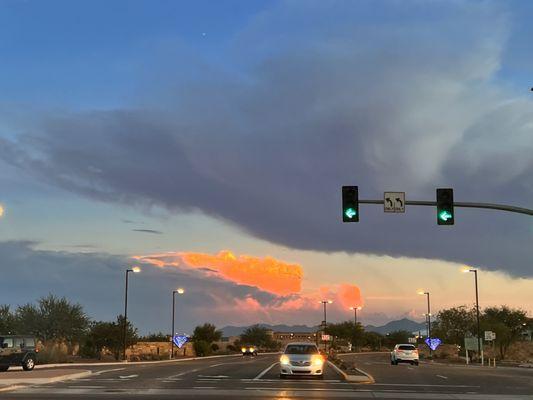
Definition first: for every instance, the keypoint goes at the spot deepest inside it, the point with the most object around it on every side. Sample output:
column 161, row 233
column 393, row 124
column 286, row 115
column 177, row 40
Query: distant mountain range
column 400, row 325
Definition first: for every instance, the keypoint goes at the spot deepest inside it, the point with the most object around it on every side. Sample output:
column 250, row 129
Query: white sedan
column 404, row 353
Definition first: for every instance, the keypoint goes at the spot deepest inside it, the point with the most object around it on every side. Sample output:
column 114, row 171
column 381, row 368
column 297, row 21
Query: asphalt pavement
column 257, row 377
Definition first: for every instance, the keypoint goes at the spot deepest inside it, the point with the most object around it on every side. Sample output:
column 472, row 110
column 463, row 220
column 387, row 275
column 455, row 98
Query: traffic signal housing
column 445, row 213
column 350, row 204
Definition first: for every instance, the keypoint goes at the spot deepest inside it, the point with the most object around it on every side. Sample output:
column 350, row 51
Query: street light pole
column 125, row 328
column 179, row 291
column 428, row 315
column 477, row 317
column 477, row 313
column 355, row 313
column 324, row 302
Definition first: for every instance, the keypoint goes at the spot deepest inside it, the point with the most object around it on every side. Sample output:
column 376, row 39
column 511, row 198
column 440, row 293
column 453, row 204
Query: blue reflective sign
column 180, row 340
column 433, row 343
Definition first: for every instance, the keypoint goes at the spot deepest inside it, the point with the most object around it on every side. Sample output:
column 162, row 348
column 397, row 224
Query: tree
column 373, row 340
column 454, row 324
column 201, row 348
column 397, row 337
column 346, row 331
column 507, row 323
column 155, row 337
column 109, row 335
column 53, row 318
column 7, row 320
column 207, row 332
column 258, row 336
column 203, row 337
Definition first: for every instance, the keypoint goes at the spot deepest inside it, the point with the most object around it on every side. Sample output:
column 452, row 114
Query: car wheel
column 4, row 368
column 416, row 363
column 28, row 364
column 282, row 376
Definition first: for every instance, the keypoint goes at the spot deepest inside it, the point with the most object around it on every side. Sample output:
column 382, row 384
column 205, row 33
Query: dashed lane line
column 264, row 372
column 105, row 371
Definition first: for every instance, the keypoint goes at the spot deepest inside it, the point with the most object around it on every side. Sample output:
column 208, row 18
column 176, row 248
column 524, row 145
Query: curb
column 9, row 388
column 367, row 378
column 41, row 381
column 103, row 364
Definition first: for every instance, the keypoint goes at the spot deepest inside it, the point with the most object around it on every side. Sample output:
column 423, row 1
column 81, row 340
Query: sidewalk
column 10, row 380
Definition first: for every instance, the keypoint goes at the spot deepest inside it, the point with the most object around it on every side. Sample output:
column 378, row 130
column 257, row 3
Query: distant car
column 301, row 359
column 407, row 353
column 249, row 350
column 17, row 350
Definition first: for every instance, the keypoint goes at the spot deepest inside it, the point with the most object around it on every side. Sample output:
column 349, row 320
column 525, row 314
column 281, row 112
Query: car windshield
column 301, row 349
column 406, row 347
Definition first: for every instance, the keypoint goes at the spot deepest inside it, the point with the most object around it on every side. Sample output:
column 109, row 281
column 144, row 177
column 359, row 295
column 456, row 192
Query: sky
column 207, row 142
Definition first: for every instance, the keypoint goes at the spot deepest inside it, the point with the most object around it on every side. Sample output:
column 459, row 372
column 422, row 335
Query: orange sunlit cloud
column 350, row 296
column 268, row 274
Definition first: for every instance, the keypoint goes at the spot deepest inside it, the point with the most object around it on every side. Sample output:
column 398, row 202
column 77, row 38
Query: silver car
column 301, row 359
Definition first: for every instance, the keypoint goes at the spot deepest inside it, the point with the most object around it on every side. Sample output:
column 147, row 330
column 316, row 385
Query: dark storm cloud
column 152, row 231
column 389, row 105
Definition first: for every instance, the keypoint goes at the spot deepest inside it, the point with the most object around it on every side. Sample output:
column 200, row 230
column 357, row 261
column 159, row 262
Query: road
column 257, row 378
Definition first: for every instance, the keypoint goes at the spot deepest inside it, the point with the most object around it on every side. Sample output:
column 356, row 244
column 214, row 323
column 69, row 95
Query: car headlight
column 317, row 360
column 284, row 360
column 243, row 349
column 252, row 349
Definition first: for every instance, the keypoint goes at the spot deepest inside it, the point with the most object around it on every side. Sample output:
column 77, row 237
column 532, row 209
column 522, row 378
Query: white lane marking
column 108, row 370
column 86, row 387
column 262, row 373
column 423, row 385
column 204, row 387
column 193, row 371
column 213, row 376
column 128, row 376
column 442, row 376
column 182, row 373
column 284, row 389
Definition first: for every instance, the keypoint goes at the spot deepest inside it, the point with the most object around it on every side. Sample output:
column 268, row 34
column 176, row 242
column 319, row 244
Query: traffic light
column 350, row 204
column 445, row 214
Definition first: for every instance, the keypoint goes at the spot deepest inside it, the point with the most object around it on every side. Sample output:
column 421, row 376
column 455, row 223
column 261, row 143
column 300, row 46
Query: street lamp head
column 1, row 210
column 136, row 269
column 421, row 292
column 330, row 301
column 180, row 291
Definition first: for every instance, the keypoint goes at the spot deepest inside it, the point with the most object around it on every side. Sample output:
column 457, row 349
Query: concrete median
column 11, row 380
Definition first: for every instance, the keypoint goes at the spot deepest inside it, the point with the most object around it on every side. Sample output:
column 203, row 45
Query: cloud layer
column 322, row 98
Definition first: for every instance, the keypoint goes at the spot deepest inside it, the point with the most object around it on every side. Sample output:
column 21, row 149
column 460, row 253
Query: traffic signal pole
column 490, row 206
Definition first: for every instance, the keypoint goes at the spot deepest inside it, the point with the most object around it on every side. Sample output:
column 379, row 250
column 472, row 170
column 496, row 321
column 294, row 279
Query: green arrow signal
column 350, row 212
column 445, row 215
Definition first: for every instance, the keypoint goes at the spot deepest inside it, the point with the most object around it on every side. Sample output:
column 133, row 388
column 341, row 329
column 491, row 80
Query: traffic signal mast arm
column 490, row 206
